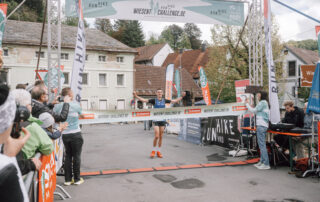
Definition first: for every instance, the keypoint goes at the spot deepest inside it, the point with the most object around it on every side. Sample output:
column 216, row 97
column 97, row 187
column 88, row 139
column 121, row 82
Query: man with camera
column 39, row 106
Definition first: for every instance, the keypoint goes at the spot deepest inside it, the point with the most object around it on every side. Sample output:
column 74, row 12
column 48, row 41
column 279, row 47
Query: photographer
column 11, row 184
column 72, row 140
column 40, row 98
column 39, row 141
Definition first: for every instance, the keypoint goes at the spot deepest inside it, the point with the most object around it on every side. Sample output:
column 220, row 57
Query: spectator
column 187, row 98
column 293, row 115
column 72, row 140
column 262, row 111
column 11, row 184
column 48, row 126
column 21, row 86
column 39, row 140
column 39, row 100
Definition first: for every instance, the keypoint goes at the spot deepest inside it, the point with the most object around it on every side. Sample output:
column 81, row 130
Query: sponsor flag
column 273, row 89
column 79, row 58
column 177, row 82
column 169, row 82
column 314, row 99
column 318, row 36
column 3, row 14
column 204, row 86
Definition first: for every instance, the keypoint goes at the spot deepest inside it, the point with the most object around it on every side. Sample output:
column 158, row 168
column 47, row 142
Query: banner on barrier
column 47, row 178
column 190, row 130
column 196, row 11
column 113, row 116
column 58, row 153
column 222, row 131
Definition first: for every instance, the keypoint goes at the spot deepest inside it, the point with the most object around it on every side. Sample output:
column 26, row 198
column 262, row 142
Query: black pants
column 73, row 144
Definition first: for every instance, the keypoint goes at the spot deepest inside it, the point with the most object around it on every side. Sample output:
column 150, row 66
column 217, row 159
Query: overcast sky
column 292, row 26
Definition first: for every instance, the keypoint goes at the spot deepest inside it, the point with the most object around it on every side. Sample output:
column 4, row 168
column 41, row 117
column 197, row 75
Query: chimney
column 203, row 47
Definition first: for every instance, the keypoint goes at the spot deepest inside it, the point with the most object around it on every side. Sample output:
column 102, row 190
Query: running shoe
column 159, row 154
column 153, row 153
column 258, row 164
column 67, row 183
column 79, row 182
column 264, row 167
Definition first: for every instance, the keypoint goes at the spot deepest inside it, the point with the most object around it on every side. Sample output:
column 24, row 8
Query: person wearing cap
column 11, row 183
column 39, row 141
column 48, row 126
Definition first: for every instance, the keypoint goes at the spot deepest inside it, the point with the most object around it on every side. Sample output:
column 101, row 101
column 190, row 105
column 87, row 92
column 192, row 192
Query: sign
column 58, row 153
column 169, row 82
column 273, row 89
column 222, row 131
column 190, row 130
column 177, row 82
column 47, row 178
column 114, row 116
column 318, row 36
column 314, row 97
column 3, row 14
column 192, row 11
column 241, row 94
column 204, row 86
column 307, row 72
column 79, row 57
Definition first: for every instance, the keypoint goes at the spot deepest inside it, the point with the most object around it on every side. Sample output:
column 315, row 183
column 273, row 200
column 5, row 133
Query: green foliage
column 103, row 25
column 308, row 44
column 193, row 33
column 129, row 33
column 154, row 39
column 73, row 21
column 31, row 10
column 304, row 93
column 173, row 36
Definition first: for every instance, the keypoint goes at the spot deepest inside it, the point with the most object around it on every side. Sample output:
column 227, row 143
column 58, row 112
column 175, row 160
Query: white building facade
column 108, row 78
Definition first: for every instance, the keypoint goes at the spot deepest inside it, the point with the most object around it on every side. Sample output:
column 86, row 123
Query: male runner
column 159, row 125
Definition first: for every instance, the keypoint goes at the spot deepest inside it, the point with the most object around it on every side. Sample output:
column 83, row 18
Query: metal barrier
column 30, row 183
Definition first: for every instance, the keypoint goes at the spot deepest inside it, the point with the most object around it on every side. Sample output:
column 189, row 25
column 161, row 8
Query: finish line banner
column 114, row 116
column 196, row 11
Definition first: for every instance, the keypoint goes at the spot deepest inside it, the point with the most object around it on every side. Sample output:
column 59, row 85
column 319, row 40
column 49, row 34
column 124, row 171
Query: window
column 87, row 56
column 66, row 78
column 64, row 56
column 41, row 54
column 120, row 104
column 103, row 105
column 5, row 52
column 84, row 78
column 292, row 68
column 84, row 104
column 120, row 59
column 102, row 58
column 102, row 79
column 120, row 80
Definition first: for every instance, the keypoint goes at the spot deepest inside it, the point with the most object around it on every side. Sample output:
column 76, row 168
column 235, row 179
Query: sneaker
column 67, row 183
column 258, row 164
column 264, row 167
column 153, row 153
column 159, row 154
column 79, row 182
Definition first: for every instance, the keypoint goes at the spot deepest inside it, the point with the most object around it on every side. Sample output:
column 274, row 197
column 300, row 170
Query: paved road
column 128, row 146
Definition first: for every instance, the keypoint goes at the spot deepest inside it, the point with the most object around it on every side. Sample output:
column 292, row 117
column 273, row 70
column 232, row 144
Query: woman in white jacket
column 262, row 123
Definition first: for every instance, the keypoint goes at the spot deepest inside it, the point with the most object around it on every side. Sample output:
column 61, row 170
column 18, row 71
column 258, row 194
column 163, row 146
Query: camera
column 20, row 120
column 61, row 99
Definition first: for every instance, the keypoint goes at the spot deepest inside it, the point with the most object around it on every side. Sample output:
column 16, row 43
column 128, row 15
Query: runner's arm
column 139, row 98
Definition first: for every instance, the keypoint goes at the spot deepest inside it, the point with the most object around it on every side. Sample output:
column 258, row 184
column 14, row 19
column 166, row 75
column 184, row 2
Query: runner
column 159, row 125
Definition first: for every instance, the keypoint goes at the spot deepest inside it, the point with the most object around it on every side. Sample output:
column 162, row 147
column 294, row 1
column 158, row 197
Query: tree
column 129, row 33
column 103, row 25
column 172, row 35
column 308, row 44
column 154, row 39
column 224, row 40
column 193, row 33
column 31, row 10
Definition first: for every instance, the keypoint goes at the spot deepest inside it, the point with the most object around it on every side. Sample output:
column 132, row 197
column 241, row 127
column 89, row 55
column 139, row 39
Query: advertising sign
column 196, row 11
column 47, row 178
column 204, row 86
column 222, row 131
column 307, row 72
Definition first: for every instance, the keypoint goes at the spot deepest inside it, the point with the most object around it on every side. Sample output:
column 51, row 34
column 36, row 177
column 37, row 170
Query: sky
column 292, row 25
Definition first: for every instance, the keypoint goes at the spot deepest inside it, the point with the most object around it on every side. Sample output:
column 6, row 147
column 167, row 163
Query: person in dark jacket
column 40, row 98
column 294, row 115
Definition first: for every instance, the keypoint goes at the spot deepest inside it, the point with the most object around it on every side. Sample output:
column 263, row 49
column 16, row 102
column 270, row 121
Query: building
column 153, row 55
column 108, row 76
column 293, row 58
column 189, row 60
column 149, row 78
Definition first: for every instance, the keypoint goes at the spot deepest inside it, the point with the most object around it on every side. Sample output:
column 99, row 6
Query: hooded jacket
column 39, row 108
column 295, row 117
